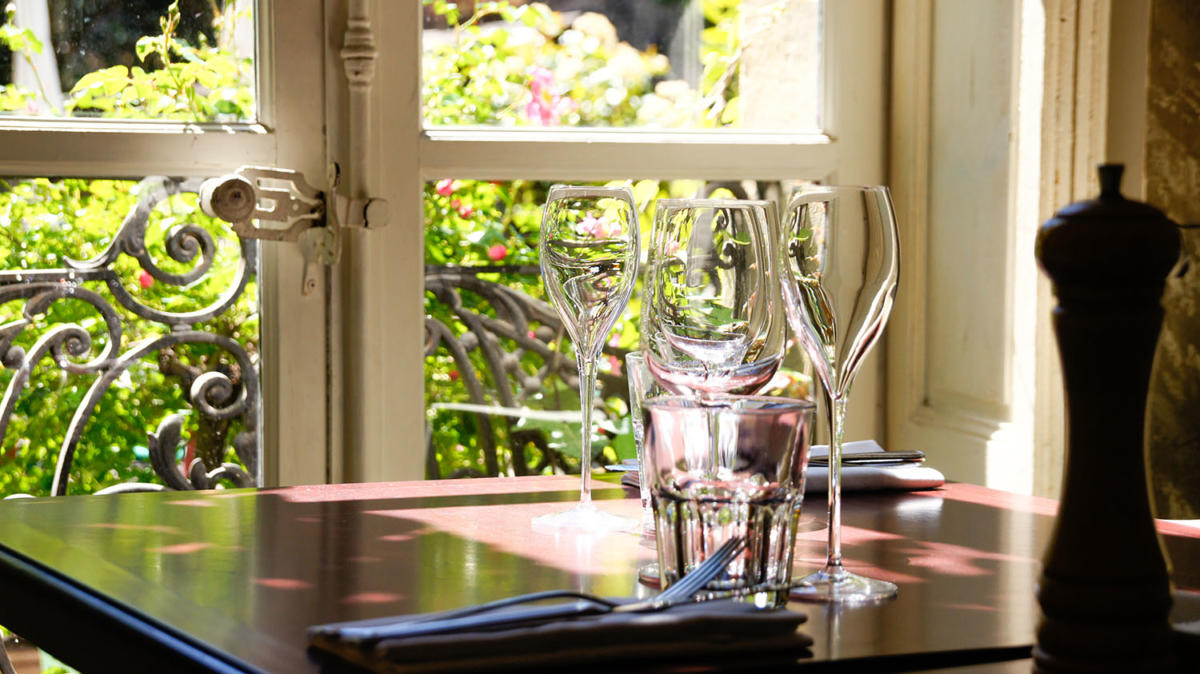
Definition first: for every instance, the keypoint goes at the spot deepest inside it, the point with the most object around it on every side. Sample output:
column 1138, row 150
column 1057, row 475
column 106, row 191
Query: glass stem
column 837, row 424
column 714, row 435
column 587, row 388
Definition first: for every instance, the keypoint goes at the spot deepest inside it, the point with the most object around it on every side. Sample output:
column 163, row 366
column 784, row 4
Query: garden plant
column 503, row 65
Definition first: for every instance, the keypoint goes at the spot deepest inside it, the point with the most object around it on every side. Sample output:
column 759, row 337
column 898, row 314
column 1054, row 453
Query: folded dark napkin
column 689, row 633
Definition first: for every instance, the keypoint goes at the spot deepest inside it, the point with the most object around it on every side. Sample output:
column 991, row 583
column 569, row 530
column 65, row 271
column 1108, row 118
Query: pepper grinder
column 1105, row 589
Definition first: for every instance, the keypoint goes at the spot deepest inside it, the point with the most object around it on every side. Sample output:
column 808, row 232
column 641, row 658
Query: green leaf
column 190, row 56
column 732, row 113
column 145, row 46
column 227, row 107
column 624, row 445
column 20, row 39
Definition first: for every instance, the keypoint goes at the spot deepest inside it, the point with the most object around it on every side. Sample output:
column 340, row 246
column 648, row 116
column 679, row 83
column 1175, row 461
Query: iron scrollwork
column 214, row 395
column 504, row 325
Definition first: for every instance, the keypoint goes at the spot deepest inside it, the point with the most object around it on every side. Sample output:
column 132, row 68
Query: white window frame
column 289, row 133
column 382, row 277
column 977, row 385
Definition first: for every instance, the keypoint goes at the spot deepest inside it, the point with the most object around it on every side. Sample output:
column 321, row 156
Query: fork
column 479, row 618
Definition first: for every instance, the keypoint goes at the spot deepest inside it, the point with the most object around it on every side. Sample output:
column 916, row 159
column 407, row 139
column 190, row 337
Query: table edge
column 90, row 623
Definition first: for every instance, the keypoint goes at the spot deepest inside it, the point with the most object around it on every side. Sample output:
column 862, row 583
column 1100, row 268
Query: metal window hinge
column 275, row 204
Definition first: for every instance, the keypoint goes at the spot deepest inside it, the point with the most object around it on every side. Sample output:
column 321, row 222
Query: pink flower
column 545, row 105
column 497, row 252
column 145, row 279
column 445, row 187
column 614, row 366
column 600, row 228
column 540, row 78
column 464, row 210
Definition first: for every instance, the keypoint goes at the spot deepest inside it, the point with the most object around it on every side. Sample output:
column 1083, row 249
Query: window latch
column 274, row 204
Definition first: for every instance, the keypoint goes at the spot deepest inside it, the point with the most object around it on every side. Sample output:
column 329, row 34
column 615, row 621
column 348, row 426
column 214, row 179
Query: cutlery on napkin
column 532, row 609
column 702, row 632
column 524, row 631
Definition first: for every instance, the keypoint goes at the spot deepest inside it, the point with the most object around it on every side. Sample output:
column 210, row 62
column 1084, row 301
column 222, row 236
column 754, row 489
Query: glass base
column 648, row 522
column 648, row 575
column 585, row 518
column 836, row 585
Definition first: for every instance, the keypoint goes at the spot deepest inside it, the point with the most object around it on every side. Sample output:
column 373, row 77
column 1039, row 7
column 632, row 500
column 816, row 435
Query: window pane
column 123, row 304
column 494, row 344
column 688, row 64
column 190, row 60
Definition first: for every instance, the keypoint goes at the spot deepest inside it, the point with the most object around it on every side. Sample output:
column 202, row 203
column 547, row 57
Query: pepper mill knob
column 1110, row 180
column 1105, row 589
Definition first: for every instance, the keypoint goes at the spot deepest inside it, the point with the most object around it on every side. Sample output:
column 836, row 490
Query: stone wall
column 1172, row 179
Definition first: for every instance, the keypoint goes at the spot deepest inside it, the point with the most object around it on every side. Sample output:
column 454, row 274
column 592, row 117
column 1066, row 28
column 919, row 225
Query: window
column 661, row 65
column 191, row 60
column 115, row 124
column 825, row 121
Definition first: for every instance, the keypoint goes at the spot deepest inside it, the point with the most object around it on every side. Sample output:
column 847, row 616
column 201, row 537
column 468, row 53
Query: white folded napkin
column 908, row 476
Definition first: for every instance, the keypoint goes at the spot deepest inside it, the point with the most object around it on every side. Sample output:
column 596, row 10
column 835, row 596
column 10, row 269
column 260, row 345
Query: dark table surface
column 233, row 578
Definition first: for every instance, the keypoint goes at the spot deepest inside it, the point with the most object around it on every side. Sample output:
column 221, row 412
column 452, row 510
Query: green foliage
column 536, row 71
column 529, row 69
column 175, row 79
column 720, row 54
column 23, row 42
column 44, row 222
column 201, row 83
column 14, row 98
column 504, row 65
column 19, row 40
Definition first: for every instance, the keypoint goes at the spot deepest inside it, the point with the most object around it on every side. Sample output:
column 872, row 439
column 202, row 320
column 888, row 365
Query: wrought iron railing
column 509, row 329
column 216, row 396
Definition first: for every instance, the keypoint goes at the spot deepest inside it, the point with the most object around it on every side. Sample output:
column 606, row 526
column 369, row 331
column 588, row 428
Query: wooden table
column 230, row 580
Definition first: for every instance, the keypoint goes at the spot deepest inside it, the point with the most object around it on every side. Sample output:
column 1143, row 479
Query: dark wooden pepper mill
column 1105, row 588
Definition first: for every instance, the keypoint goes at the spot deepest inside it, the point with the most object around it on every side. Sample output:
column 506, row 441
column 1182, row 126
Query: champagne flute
column 712, row 319
column 588, row 251
column 841, row 271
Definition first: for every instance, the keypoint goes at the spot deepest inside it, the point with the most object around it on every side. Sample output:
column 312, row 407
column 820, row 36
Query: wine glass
column 588, row 250
column 841, row 270
column 712, row 318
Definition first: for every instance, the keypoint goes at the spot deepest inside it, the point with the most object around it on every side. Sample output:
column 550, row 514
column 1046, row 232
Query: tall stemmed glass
column 842, row 267
column 712, row 319
column 589, row 258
